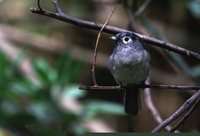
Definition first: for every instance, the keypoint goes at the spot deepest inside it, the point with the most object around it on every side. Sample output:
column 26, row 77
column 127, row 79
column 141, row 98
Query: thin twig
column 176, row 114
column 96, row 47
column 109, row 88
column 58, row 8
column 142, row 8
column 114, row 30
column 152, row 108
column 150, row 105
column 38, row 4
column 183, row 119
column 40, row 9
column 99, row 88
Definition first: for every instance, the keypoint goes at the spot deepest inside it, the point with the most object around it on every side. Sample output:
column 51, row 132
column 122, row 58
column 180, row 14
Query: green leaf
column 23, row 87
column 94, row 108
column 6, row 69
column 21, row 118
column 42, row 111
column 68, row 70
column 3, row 64
column 64, row 62
column 75, row 71
column 45, row 72
column 9, row 107
column 73, row 92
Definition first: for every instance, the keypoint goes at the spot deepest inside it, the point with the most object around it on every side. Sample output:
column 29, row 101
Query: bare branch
column 152, row 108
column 114, row 30
column 109, row 88
column 176, row 114
column 183, row 119
column 58, row 8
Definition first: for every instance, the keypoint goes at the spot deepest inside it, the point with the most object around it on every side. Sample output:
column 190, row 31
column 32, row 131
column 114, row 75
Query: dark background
column 43, row 61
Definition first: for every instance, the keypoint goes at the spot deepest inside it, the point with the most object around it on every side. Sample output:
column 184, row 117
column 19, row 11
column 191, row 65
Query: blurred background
column 43, row 61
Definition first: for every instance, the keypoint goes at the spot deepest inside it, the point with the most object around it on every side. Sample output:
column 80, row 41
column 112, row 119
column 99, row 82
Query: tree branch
column 176, row 114
column 183, row 119
column 58, row 8
column 113, row 30
column 110, row 88
column 150, row 105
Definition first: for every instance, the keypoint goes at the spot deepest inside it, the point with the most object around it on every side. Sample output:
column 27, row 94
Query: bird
column 129, row 64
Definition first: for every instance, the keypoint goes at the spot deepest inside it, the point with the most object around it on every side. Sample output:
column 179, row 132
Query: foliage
column 24, row 103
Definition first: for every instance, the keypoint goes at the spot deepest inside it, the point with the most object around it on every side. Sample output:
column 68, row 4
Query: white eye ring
column 126, row 40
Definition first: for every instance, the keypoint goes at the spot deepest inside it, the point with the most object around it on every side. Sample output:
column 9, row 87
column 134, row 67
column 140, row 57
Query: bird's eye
column 126, row 40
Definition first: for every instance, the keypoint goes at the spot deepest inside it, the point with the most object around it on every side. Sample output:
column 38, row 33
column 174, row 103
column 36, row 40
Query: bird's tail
column 132, row 101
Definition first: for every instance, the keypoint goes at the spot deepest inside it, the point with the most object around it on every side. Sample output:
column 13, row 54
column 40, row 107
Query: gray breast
column 129, row 66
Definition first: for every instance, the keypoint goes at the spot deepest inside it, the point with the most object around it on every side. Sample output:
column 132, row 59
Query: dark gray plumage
column 129, row 64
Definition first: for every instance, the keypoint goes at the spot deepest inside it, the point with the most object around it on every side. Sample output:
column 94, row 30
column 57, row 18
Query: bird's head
column 125, row 38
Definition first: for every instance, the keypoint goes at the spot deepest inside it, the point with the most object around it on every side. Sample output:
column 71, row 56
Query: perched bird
column 129, row 64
